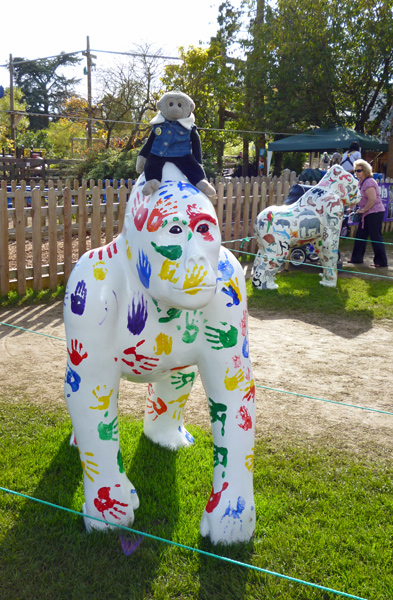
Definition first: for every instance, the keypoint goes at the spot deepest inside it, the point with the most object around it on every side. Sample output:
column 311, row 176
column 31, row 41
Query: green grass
column 301, row 292
column 324, row 516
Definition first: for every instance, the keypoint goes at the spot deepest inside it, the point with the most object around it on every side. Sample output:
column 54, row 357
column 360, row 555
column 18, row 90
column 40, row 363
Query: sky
column 32, row 30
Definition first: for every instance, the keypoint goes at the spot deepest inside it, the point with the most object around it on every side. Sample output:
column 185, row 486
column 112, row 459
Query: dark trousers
column 372, row 229
column 187, row 165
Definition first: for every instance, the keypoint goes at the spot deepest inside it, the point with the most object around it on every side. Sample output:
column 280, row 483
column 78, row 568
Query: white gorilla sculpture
column 316, row 217
column 156, row 305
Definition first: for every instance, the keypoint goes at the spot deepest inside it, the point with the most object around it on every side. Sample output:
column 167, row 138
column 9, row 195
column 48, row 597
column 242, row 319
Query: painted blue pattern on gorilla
column 144, row 269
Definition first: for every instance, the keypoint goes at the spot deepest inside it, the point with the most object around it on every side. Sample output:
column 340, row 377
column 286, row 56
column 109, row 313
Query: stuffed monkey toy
column 174, row 138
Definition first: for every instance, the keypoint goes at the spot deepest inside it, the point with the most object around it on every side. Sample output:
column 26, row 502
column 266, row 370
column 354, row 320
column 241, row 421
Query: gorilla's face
column 175, row 242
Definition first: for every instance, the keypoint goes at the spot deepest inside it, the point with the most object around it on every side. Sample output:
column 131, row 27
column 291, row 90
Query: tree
column 130, row 91
column 325, row 62
column 21, row 122
column 44, row 89
column 211, row 79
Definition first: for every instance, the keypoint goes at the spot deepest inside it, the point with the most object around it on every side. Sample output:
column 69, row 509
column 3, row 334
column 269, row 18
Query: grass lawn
column 323, row 516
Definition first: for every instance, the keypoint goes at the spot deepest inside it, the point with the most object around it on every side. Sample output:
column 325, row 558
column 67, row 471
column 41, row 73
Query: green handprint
column 191, row 331
column 216, row 408
column 220, row 456
column 225, row 339
column 172, row 313
column 108, row 431
column 181, row 379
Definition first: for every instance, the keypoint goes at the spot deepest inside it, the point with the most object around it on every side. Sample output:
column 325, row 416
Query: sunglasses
column 358, row 170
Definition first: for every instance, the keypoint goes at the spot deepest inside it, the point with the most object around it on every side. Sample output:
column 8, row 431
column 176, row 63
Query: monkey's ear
column 192, row 105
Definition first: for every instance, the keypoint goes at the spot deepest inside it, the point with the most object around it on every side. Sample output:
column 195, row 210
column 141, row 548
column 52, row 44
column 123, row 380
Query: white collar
column 188, row 122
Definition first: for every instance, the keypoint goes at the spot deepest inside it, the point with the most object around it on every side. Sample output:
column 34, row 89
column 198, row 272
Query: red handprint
column 139, row 358
column 215, row 498
column 76, row 355
column 245, row 416
column 159, row 212
column 139, row 212
column 250, row 391
column 103, row 502
column 158, row 407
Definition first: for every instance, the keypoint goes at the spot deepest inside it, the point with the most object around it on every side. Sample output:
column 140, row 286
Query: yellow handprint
column 231, row 383
column 249, row 464
column 182, row 402
column 86, row 467
column 194, row 279
column 168, row 270
column 103, row 399
column 99, row 270
column 163, row 344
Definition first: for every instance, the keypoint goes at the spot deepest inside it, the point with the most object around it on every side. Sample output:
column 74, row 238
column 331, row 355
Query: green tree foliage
column 318, row 63
column 21, row 122
column 211, row 78
column 45, row 90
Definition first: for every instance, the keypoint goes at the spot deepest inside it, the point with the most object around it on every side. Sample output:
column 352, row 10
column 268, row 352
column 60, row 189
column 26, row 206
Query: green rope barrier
column 256, row 385
column 189, row 548
column 32, row 331
column 311, row 265
column 385, row 412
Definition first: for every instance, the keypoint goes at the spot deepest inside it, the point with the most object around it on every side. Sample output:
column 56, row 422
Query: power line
column 102, row 120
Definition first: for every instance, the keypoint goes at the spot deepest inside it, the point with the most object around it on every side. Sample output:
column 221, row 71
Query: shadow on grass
column 48, row 554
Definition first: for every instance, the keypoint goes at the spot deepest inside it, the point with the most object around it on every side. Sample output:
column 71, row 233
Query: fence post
column 238, row 214
column 96, row 218
column 67, row 233
column 52, row 236
column 82, row 220
column 36, row 239
column 228, row 213
column 4, row 255
column 20, row 242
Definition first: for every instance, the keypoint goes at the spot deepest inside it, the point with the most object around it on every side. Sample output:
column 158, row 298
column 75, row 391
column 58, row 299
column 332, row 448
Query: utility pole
column 89, row 105
column 12, row 116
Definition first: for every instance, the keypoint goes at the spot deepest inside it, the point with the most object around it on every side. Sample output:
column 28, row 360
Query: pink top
column 363, row 186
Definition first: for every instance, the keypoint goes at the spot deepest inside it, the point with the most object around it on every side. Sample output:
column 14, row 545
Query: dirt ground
column 325, row 358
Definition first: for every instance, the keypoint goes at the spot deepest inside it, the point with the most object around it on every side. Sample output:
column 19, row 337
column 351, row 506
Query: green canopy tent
column 319, row 140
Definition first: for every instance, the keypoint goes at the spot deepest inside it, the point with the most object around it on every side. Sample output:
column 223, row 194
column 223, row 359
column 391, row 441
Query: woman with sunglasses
column 371, row 210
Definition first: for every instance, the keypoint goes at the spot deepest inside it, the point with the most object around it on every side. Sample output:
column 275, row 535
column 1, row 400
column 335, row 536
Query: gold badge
column 158, row 131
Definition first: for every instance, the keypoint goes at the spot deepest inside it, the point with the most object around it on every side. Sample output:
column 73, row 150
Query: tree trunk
column 389, row 168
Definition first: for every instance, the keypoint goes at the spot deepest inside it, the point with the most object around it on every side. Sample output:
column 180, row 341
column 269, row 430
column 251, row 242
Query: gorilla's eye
column 203, row 228
column 175, row 229
column 179, row 104
column 171, row 104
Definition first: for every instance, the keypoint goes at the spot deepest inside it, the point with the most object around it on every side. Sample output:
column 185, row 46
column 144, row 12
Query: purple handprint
column 78, row 299
column 137, row 315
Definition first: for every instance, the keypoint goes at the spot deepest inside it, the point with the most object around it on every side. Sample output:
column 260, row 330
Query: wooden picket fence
column 44, row 229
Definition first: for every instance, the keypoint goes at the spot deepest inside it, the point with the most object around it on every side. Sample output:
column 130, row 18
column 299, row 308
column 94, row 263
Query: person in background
column 325, row 161
column 336, row 159
column 350, row 156
column 371, row 210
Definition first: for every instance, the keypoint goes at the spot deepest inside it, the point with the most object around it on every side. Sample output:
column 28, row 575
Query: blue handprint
column 78, row 299
column 144, row 269
column 226, row 269
column 232, row 293
column 72, row 378
column 137, row 315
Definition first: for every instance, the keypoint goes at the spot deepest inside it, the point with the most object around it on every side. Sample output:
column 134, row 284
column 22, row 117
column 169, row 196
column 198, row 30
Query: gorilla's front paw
column 172, row 439
column 236, row 524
